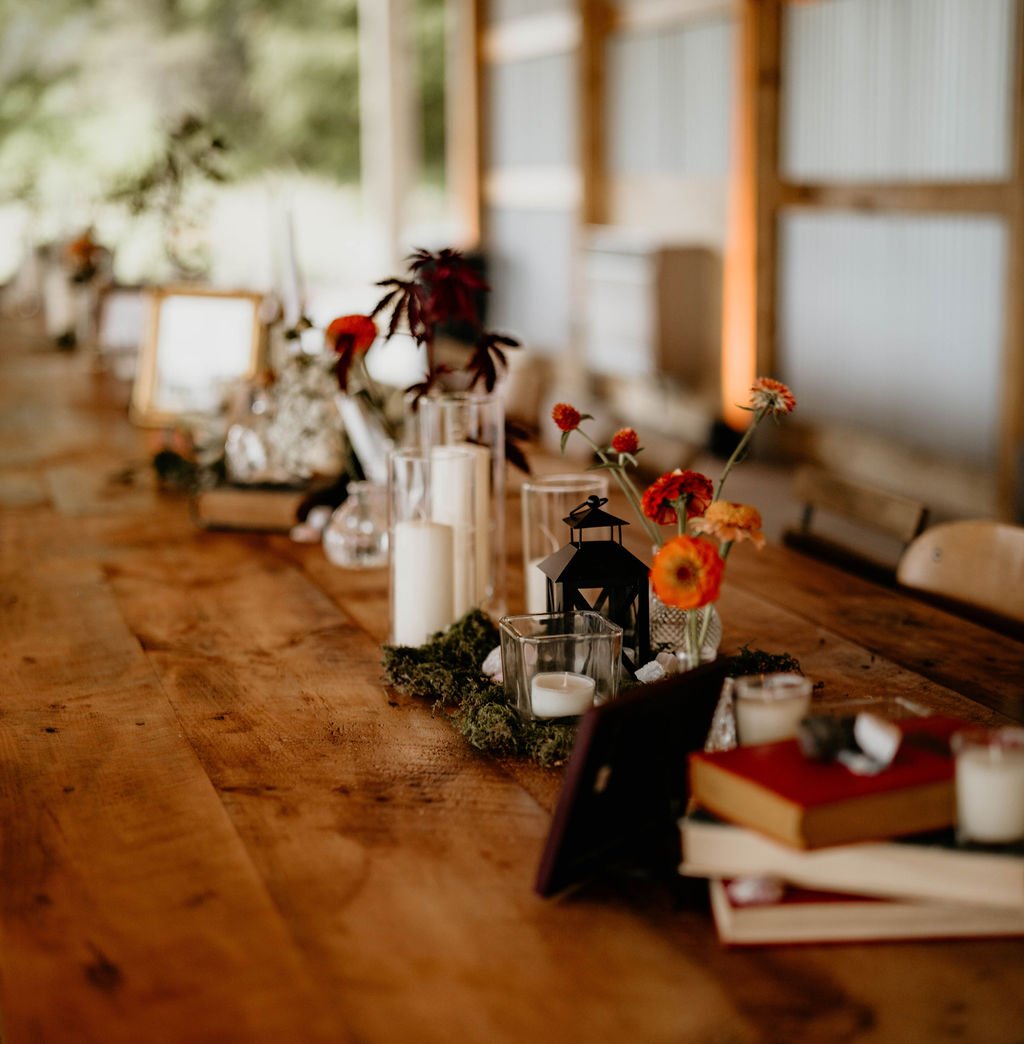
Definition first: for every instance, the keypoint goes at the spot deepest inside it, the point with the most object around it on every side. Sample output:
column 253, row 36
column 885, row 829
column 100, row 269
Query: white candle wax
column 766, row 719
column 422, row 599
column 990, row 793
column 536, row 587
column 451, row 502
column 559, row 694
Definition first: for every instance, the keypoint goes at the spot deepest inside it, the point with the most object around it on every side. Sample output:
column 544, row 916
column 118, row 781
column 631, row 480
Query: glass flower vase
column 670, row 632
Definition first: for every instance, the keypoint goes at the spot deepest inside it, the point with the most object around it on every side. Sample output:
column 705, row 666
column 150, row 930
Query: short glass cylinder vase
column 671, row 632
column 546, row 501
column 557, row 665
column 431, row 536
column 356, row 537
column 475, row 421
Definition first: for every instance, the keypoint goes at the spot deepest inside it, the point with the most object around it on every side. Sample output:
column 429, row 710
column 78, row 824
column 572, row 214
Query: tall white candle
column 452, row 502
column 536, row 587
column 560, row 694
column 990, row 792
column 482, row 516
column 422, row 592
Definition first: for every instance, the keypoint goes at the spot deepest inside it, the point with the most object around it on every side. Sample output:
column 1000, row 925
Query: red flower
column 349, row 335
column 625, row 441
column 659, row 498
column 687, row 573
column 566, row 417
column 772, row 396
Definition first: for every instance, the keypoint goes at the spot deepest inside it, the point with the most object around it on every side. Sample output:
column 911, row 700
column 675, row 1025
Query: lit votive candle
column 560, row 694
column 769, row 707
column 990, row 785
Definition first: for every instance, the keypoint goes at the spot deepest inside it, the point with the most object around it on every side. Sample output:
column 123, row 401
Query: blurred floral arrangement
column 687, row 568
column 440, row 292
column 82, row 257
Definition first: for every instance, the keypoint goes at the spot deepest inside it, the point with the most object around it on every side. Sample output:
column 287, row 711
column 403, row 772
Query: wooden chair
column 874, row 526
column 974, row 567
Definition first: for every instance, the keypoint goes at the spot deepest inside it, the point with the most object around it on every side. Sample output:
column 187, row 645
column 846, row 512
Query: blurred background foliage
column 92, row 93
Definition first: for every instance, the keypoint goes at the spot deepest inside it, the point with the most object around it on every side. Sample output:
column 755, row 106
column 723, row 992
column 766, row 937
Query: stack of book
column 860, row 857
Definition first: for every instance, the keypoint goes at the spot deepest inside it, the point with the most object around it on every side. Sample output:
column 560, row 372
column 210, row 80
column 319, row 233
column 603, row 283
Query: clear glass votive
column 990, row 785
column 431, row 529
column 769, row 707
column 556, row 665
column 546, row 501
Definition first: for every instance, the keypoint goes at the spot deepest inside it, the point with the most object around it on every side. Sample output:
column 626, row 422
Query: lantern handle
column 593, row 501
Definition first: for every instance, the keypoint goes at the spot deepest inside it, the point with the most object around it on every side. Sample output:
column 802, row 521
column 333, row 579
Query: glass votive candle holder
column 990, row 785
column 557, row 665
column 546, row 501
column 769, row 707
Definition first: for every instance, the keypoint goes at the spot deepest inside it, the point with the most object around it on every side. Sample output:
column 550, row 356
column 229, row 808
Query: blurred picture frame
column 198, row 342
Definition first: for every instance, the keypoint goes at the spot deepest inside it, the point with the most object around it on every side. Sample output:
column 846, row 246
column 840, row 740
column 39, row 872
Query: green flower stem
column 723, row 552
column 627, row 487
column 692, row 639
column 737, row 453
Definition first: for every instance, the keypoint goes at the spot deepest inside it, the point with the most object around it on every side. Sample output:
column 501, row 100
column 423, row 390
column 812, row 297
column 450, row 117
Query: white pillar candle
column 422, row 590
column 770, row 709
column 452, row 502
column 560, row 694
column 536, row 587
column 990, row 789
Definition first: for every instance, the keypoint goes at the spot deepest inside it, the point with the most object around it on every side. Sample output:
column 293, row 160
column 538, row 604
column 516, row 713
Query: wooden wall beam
column 595, row 24
column 1011, row 442
column 954, row 197
column 766, row 18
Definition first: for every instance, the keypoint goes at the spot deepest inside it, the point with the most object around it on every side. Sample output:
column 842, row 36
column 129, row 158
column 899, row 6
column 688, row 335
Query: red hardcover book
column 775, row 789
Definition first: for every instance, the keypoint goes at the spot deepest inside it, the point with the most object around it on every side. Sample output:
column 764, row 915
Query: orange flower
column 661, row 494
column 626, row 441
column 687, row 573
column 566, row 417
column 351, row 333
column 730, row 522
column 772, row 396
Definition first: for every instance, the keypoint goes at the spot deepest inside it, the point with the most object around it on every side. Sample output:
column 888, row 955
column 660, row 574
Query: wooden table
column 218, row 825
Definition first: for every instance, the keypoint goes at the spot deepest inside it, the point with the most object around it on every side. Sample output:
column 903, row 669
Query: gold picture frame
column 198, row 341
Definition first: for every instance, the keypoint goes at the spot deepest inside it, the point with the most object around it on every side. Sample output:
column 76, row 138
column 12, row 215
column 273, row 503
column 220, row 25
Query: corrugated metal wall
column 894, row 325
column 670, row 99
column 884, row 90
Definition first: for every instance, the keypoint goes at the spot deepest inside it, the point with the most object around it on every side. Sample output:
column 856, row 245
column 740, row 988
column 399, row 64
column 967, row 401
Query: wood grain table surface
column 218, row 825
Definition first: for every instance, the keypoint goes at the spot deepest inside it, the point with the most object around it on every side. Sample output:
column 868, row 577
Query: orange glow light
column 739, row 279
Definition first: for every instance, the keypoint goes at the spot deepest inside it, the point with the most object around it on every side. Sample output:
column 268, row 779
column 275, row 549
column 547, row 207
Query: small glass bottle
column 356, row 537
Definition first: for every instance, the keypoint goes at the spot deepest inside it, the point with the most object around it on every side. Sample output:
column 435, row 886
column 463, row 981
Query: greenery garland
column 447, row 671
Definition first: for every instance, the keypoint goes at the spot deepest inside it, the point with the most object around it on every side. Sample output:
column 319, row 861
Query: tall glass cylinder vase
column 475, row 421
column 432, row 497
column 546, row 501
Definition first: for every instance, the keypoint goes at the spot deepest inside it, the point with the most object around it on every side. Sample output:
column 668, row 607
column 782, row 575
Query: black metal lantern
column 594, row 571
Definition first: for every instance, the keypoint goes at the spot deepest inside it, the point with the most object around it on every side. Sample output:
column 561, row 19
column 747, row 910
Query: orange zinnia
column 772, row 396
column 687, row 573
column 730, row 522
